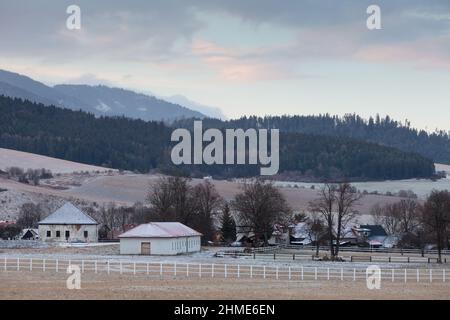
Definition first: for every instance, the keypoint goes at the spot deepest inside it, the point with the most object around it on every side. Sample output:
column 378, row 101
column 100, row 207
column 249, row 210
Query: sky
column 246, row 57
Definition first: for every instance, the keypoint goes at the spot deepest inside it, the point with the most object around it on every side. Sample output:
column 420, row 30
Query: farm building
column 29, row 234
column 68, row 224
column 160, row 238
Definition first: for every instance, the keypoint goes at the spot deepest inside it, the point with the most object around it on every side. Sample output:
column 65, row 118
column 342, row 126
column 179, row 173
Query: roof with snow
column 160, row 230
column 68, row 214
column 375, row 230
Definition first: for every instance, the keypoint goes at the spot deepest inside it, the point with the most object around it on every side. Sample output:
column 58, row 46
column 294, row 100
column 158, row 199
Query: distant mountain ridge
column 99, row 100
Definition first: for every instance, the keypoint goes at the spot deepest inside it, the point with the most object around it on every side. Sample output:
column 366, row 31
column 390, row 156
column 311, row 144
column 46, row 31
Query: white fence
column 232, row 271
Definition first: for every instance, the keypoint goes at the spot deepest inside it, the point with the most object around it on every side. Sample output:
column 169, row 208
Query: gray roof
column 68, row 214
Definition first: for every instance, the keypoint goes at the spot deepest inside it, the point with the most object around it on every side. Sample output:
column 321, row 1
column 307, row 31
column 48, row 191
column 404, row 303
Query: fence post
column 328, row 273
column 82, row 266
column 107, row 267
column 315, row 273
column 342, row 274
column 200, row 270
column 293, row 256
column 187, row 270
column 389, row 258
column 302, row 273
column 160, row 270
column 277, row 273
column 238, row 271
column 251, row 272
column 18, row 264
column 393, row 276
column 408, row 259
column 406, row 275
column 264, row 272
column 31, row 264
column 43, row 265
column 443, row 275
column 289, row 273
column 57, row 265
column 274, row 256
column 254, row 255
column 417, row 275
column 431, row 275
column 351, row 258
column 212, row 271
column 354, row 274
column 148, row 269
column 134, row 267
column 225, row 271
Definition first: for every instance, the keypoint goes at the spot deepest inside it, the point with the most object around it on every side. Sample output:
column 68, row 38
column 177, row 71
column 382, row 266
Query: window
column 86, row 234
column 58, row 234
column 67, row 234
column 49, row 234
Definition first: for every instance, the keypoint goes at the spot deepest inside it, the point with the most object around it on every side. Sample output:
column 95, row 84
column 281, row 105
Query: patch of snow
column 103, row 107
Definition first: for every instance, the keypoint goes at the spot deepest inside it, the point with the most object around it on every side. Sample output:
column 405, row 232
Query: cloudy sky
column 245, row 56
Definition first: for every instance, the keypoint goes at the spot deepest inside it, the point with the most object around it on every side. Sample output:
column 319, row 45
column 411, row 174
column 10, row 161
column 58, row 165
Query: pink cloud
column 432, row 53
column 239, row 65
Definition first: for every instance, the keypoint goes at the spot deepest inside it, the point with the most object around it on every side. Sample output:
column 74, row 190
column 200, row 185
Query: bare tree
column 208, row 203
column 346, row 198
column 171, row 199
column 324, row 205
column 409, row 215
column 29, row 215
column 316, row 231
column 260, row 206
column 336, row 204
column 436, row 217
column 401, row 219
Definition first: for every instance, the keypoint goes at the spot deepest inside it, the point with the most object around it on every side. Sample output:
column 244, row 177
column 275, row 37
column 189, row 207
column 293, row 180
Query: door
column 145, row 248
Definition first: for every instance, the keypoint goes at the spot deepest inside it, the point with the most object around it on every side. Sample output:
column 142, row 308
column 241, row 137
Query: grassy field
column 51, row 285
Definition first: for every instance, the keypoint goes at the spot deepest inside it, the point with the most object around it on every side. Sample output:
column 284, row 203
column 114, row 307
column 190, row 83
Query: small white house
column 68, row 224
column 160, row 238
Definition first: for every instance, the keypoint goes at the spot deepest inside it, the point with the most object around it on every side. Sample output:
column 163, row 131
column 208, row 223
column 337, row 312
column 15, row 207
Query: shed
column 68, row 224
column 160, row 238
column 29, row 234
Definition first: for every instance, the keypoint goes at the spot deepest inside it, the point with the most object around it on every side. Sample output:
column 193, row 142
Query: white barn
column 160, row 238
column 68, row 224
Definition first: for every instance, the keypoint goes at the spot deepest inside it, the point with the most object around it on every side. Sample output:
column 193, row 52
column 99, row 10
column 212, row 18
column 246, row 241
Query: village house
column 29, row 234
column 68, row 224
column 160, row 238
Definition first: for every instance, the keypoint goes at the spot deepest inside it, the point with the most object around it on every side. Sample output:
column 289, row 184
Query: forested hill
column 384, row 131
column 137, row 145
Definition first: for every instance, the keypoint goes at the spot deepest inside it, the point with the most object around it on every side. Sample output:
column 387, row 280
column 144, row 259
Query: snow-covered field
column 25, row 160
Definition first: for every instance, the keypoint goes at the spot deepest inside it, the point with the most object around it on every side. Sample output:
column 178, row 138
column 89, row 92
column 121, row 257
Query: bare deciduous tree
column 436, row 217
column 336, row 204
column 260, row 206
column 207, row 202
column 29, row 215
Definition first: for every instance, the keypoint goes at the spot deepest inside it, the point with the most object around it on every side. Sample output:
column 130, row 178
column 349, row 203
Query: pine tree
column 228, row 228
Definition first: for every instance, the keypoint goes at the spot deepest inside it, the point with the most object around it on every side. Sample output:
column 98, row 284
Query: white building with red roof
column 160, row 238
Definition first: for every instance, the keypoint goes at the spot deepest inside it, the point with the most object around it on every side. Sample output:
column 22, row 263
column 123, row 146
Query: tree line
column 136, row 145
column 381, row 130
